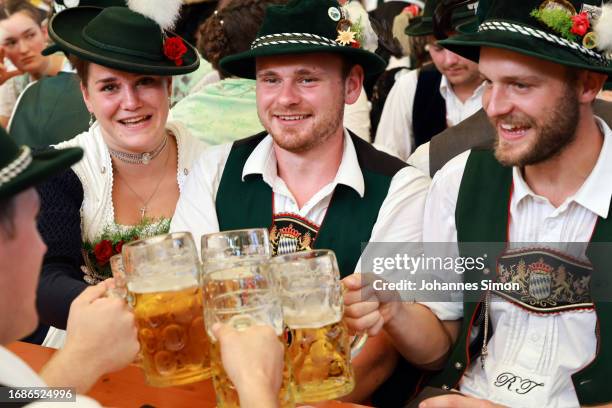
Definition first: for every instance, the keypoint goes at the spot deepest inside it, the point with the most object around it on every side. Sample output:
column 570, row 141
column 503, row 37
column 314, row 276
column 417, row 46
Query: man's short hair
column 7, row 217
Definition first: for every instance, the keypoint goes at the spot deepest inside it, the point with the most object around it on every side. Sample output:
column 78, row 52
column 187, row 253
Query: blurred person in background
column 22, row 38
column 424, row 102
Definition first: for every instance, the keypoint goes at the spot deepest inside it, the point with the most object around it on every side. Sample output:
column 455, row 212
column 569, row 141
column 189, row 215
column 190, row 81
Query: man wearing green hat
column 307, row 179
column 101, row 330
column 545, row 340
column 422, row 103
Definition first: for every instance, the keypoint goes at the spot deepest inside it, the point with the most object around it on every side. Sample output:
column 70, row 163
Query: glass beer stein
column 319, row 344
column 164, row 291
column 240, row 293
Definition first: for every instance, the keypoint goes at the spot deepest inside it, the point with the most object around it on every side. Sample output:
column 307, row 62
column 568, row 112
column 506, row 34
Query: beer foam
column 311, row 318
column 162, row 283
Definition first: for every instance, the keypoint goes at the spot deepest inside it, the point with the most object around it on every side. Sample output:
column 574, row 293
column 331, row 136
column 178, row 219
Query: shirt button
column 458, row 365
column 535, row 337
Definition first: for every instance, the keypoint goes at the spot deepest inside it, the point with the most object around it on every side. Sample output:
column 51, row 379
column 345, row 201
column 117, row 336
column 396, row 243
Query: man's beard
column 303, row 140
column 553, row 134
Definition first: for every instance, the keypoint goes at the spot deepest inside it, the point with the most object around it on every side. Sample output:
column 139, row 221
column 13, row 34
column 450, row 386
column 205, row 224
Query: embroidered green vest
column 481, row 215
column 349, row 219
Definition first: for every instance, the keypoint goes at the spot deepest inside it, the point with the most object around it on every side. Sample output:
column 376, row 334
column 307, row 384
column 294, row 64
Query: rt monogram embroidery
column 515, row 383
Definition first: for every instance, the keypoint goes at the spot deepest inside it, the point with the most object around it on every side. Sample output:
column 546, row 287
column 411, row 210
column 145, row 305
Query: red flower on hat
column 412, row 9
column 103, row 251
column 174, row 49
column 581, row 24
column 356, row 44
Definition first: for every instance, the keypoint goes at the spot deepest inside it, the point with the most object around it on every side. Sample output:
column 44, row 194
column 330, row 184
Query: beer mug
column 164, row 291
column 228, row 246
column 319, row 345
column 242, row 294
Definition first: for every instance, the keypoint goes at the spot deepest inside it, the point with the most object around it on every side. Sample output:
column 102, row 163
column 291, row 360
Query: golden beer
column 321, row 361
column 173, row 341
column 227, row 396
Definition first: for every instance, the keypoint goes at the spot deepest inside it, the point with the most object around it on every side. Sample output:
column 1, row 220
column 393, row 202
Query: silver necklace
column 145, row 203
column 139, row 158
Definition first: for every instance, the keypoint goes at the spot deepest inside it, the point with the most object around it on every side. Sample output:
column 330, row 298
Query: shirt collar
column 263, row 161
column 595, row 193
column 446, row 89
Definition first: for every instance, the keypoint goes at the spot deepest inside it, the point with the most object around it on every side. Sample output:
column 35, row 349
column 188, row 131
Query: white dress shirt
column 394, row 134
column 399, row 219
column 542, row 348
column 14, row 372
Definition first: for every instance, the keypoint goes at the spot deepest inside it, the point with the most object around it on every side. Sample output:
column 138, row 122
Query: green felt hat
column 21, row 169
column 423, row 25
column 300, row 27
column 119, row 38
column 526, row 27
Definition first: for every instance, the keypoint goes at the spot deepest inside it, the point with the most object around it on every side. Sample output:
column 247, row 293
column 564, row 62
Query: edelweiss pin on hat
column 21, row 169
column 572, row 33
column 133, row 39
column 305, row 26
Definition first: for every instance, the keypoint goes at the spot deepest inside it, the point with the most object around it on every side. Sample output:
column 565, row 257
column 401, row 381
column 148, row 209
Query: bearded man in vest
column 544, row 193
column 306, row 178
column 424, row 102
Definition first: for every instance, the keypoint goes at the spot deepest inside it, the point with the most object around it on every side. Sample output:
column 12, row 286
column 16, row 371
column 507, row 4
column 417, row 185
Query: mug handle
column 357, row 343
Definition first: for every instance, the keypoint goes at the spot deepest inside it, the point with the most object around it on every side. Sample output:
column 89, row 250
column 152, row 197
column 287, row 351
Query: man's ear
column 353, row 84
column 592, row 83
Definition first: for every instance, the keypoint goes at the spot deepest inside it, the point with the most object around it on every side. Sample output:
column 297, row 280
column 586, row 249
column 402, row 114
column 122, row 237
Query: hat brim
column 66, row 29
column 420, row 26
column 44, row 165
column 468, row 46
column 243, row 64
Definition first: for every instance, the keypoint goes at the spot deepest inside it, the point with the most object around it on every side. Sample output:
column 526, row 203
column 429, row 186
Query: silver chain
column 143, row 209
column 139, row 158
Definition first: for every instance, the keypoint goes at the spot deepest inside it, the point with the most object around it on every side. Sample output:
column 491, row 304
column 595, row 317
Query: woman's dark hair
column 81, row 66
column 15, row 6
column 7, row 217
column 232, row 29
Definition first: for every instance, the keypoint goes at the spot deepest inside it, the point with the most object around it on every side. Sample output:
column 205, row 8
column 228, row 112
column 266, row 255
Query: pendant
column 143, row 211
column 146, row 158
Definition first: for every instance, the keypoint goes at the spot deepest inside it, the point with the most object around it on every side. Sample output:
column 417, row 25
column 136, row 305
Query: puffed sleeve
column 59, row 223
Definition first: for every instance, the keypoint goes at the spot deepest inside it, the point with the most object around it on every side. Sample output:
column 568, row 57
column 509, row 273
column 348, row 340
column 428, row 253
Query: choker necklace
column 139, row 158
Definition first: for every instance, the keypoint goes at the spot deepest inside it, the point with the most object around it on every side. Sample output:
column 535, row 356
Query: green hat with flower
column 134, row 39
column 305, row 26
column 571, row 33
column 423, row 25
column 20, row 168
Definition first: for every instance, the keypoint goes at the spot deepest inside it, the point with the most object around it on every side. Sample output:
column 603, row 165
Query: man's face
column 458, row 70
column 532, row 105
column 21, row 259
column 300, row 98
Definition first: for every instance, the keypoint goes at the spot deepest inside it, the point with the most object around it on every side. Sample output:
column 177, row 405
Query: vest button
column 445, row 387
column 185, row 171
column 103, row 170
column 458, row 365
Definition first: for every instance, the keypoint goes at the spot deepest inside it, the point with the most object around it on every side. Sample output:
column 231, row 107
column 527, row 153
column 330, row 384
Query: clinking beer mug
column 240, row 293
column 320, row 345
column 162, row 275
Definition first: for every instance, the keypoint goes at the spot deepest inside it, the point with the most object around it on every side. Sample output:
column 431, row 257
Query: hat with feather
column 571, row 33
column 134, row 39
